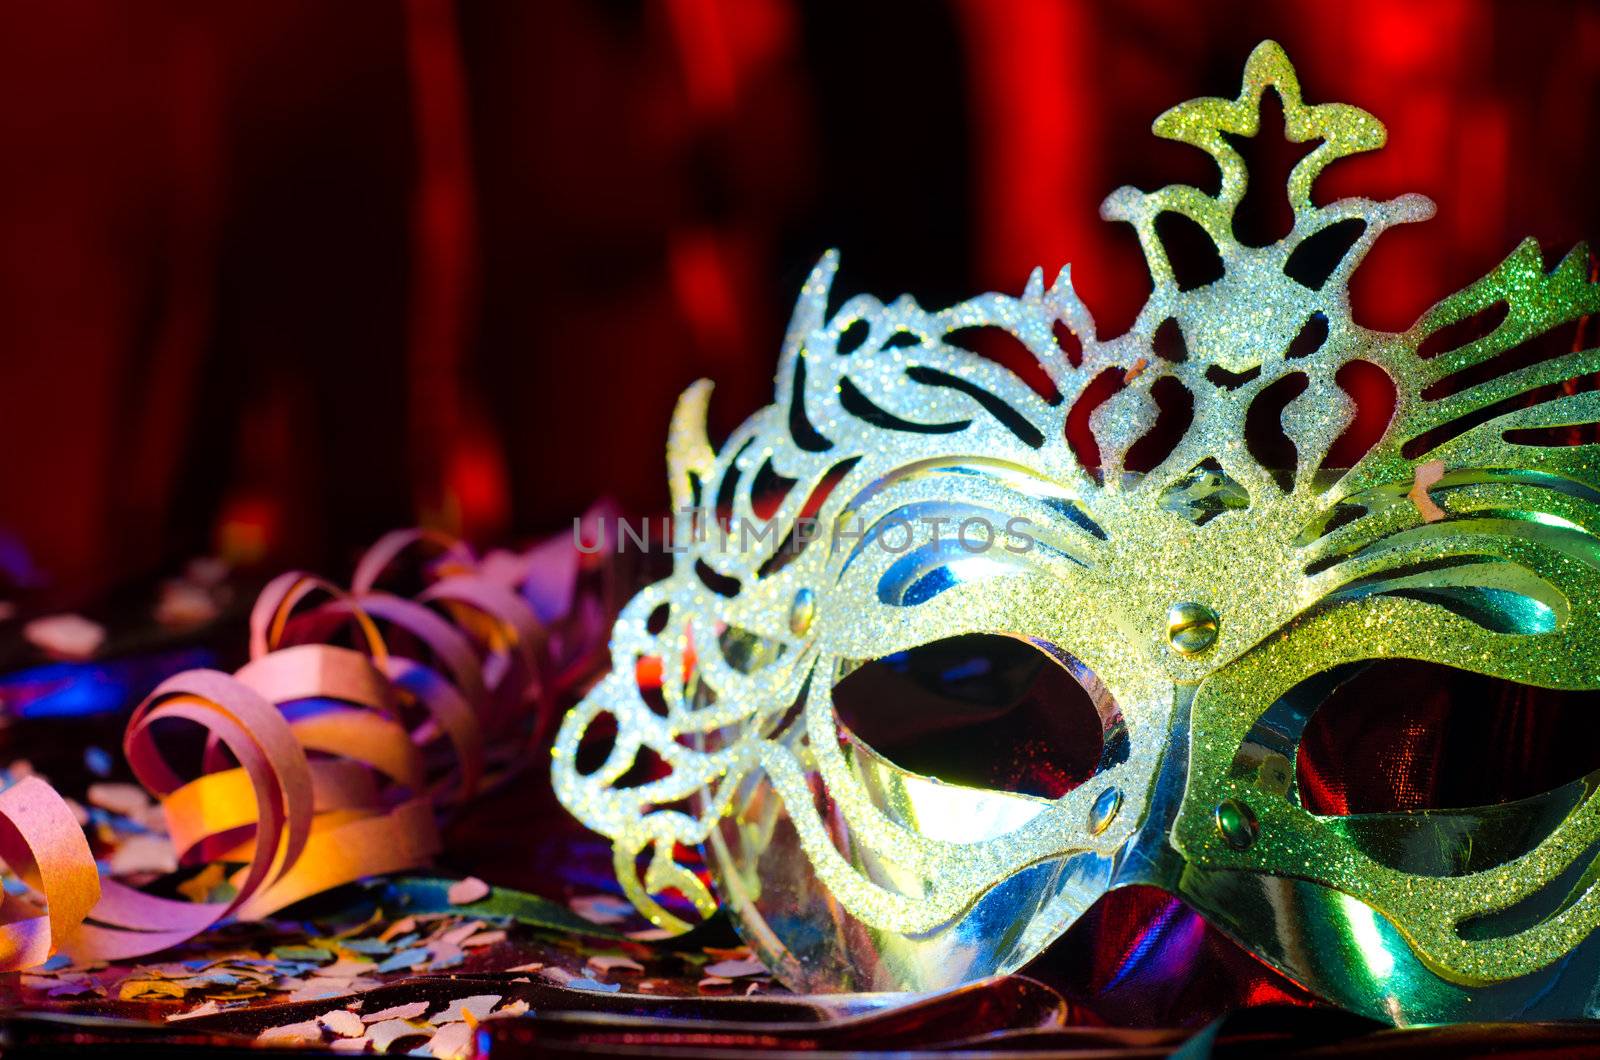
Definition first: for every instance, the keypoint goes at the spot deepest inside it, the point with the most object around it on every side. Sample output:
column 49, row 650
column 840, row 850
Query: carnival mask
column 913, row 522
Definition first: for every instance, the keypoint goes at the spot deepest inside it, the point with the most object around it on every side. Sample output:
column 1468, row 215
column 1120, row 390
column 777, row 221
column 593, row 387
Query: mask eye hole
column 983, row 711
column 1400, row 735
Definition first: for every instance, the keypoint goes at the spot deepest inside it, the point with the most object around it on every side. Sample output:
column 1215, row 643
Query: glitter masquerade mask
column 904, row 496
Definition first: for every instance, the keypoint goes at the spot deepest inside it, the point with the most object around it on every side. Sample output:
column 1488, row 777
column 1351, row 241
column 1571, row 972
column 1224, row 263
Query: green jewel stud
column 1236, row 823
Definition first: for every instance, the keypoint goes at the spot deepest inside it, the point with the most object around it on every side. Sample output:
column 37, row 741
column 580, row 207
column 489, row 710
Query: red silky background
column 275, row 278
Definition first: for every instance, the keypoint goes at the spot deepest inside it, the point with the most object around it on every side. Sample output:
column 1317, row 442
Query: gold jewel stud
column 802, row 612
column 1191, row 628
column 1104, row 810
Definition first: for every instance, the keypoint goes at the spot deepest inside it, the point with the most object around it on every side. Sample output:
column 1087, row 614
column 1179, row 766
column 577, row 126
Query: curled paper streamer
column 318, row 764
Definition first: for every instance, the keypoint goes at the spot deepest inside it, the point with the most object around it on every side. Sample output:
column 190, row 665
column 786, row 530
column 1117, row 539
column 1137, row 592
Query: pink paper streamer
column 388, row 734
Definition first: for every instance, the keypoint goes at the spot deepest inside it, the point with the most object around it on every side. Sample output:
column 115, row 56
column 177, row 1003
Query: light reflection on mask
column 1202, row 608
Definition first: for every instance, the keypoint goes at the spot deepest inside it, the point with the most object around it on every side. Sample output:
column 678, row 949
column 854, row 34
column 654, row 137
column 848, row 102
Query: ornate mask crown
column 1198, row 605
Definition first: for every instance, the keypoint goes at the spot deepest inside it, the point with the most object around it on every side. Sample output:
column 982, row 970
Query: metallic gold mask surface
column 1188, row 601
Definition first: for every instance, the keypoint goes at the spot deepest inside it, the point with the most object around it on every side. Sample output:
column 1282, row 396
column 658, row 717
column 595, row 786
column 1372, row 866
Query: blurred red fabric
column 274, row 277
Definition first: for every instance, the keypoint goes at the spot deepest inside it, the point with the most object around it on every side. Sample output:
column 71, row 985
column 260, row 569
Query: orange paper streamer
column 321, row 763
